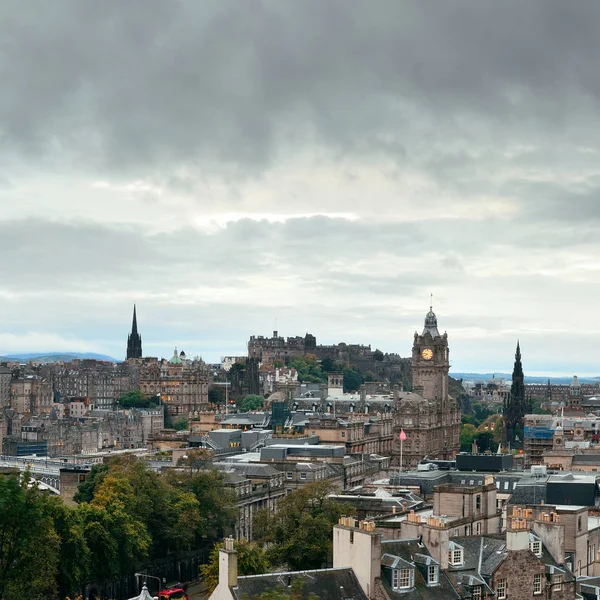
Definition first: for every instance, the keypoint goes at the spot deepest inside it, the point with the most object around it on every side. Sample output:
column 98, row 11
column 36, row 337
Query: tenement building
column 182, row 384
column 429, row 416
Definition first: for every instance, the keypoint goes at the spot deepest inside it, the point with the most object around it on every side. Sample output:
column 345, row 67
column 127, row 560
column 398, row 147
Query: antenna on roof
column 431, row 301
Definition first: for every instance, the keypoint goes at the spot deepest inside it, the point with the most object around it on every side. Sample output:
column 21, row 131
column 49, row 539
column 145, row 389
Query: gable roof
column 332, row 584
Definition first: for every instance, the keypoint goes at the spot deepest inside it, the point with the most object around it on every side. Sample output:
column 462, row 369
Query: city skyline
column 237, row 170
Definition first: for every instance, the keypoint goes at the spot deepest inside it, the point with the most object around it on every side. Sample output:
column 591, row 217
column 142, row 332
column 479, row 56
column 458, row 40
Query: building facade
column 429, row 416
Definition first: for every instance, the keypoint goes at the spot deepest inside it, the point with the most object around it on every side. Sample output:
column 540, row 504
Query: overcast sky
column 315, row 165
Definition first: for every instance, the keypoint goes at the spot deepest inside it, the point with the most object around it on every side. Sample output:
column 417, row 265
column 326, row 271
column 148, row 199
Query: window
column 395, row 579
column 405, row 578
column 302, row 475
column 352, row 536
column 557, row 582
column 536, row 547
column 579, row 524
column 501, row 589
column 476, row 592
column 537, row 583
column 289, row 475
column 432, row 574
column 343, row 434
column 478, row 528
column 455, row 556
column 478, row 502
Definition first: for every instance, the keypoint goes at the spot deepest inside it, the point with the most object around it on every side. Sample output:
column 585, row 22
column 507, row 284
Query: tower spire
column 134, row 339
column 134, row 323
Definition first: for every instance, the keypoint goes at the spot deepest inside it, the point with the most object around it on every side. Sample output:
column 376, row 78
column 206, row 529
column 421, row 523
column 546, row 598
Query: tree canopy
column 136, row 399
column 299, row 534
column 126, row 516
column 251, row 402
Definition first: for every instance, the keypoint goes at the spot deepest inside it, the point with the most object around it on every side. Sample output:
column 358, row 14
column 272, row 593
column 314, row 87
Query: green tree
column 74, row 554
column 136, row 399
column 378, row 355
column 252, row 560
column 181, row 424
column 117, row 536
column 352, row 379
column 484, row 440
column 251, row 402
column 85, row 490
column 300, row 532
column 370, row 376
column 218, row 503
column 216, row 394
column 467, row 433
column 29, row 545
column 328, row 365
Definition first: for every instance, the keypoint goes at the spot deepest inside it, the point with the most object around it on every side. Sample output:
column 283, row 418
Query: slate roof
column 329, row 584
column 403, row 553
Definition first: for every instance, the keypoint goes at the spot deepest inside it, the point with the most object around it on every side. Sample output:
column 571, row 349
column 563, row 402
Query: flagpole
column 402, row 437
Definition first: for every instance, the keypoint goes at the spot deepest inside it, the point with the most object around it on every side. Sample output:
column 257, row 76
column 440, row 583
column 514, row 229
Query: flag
column 402, row 435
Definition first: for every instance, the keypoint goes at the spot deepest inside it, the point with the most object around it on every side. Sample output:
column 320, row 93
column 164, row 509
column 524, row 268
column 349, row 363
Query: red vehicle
column 175, row 592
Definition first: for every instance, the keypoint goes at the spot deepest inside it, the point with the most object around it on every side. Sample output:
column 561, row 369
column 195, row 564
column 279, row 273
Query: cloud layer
column 319, row 165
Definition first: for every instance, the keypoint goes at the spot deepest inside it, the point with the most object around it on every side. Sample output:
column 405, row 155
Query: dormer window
column 455, row 555
column 432, row 575
column 402, row 579
column 476, row 591
column 535, row 546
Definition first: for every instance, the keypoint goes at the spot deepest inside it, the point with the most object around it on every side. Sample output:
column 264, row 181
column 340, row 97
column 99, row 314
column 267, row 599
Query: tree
column 370, row 376
column 85, row 490
column 328, row 365
column 300, row 532
column 74, row 554
column 29, row 545
column 117, row 534
column 252, row 560
column 181, row 424
column 252, row 402
column 216, row 394
column 378, row 355
column 467, row 433
column 217, row 502
column 136, row 399
column 484, row 440
column 352, row 379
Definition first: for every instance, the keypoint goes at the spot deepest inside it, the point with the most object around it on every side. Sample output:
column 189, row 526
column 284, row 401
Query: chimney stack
column 228, row 565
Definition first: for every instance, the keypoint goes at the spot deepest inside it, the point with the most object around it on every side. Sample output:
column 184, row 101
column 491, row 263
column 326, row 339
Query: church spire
column 134, row 330
column 134, row 339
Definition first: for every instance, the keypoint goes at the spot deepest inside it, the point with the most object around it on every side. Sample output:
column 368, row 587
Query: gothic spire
column 134, row 339
column 134, row 330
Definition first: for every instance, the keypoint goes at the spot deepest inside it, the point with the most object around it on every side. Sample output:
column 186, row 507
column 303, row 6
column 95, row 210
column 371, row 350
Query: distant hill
column 47, row 357
column 528, row 379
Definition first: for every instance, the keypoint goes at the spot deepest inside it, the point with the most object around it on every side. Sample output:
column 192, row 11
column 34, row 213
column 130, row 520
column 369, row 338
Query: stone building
column 182, row 384
column 5, row 379
column 428, row 415
column 31, row 394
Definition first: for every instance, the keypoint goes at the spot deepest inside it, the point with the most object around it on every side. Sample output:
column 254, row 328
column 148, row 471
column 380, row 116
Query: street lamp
column 161, row 582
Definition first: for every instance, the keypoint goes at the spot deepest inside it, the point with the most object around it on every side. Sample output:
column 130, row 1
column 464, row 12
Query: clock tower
column 430, row 362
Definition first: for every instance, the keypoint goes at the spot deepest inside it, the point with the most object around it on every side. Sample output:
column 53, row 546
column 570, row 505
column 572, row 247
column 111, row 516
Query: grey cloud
column 154, row 83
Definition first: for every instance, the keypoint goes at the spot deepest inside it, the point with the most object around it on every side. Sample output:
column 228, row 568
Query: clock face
column 427, row 354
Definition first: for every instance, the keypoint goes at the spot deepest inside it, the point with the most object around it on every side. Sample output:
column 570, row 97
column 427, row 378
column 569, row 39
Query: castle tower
column 134, row 340
column 430, row 362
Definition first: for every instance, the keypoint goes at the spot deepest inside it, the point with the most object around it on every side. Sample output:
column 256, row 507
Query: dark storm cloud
column 138, row 83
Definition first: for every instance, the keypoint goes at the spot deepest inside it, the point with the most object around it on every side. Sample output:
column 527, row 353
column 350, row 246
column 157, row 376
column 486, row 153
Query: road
column 196, row 591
